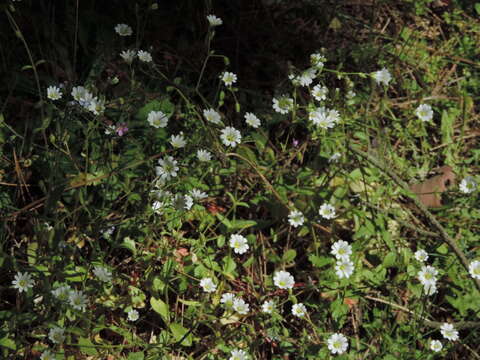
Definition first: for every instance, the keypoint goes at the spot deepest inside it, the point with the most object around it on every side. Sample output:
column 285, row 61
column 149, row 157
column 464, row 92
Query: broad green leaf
column 136, row 355
column 229, row 265
column 8, row 343
column 160, row 308
column 179, row 333
column 289, row 256
column 389, row 260
column 87, row 347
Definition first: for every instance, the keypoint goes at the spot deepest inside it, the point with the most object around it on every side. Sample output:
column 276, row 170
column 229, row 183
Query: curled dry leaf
column 430, row 191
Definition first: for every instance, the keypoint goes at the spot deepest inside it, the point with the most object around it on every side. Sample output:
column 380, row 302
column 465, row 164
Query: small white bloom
column 188, row 202
column 178, row 141
column 252, row 120
column 204, row 155
column 158, row 207
column 208, row 285
column 128, row 56
column 382, row 76
column 320, row 92
column 335, row 157
column 214, row 21
column 57, row 335
column 168, row 168
column 239, row 244
column 238, row 355
column 54, row 93
column 157, row 119
column 327, row 211
column 103, row 274
column 430, row 288
column 448, row 331
column 428, row 275
column 228, row 78
column 133, row 315
column 212, row 116
column 468, row 185
column 123, row 30
column 351, row 94
column 182, row 202
column 307, row 77
column 324, row 118
column 227, row 299
column 299, row 310
column 77, row 300
column 436, row 345
column 474, row 269
column 198, row 194
column 144, row 56
column 231, row 136
column 96, row 106
column 337, row 343
column 283, row 280
column 47, row 355
column 341, row 250
column 318, row 60
column 62, row 293
column 240, row 306
column 283, row 105
column 421, row 255
column 23, row 281
column 268, row 306
column 78, row 93
column 296, row 218
column 424, row 112
column 344, row 268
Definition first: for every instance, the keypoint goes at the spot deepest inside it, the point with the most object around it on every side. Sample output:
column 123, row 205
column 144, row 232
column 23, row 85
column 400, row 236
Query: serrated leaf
column 160, row 308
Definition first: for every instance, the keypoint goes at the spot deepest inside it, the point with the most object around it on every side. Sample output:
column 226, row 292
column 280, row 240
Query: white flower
column 214, row 21
column 96, row 106
column 212, row 116
column 157, row 119
column 231, row 136
column 128, row 56
column 204, row 155
column 474, row 269
column 430, row 288
column 344, row 268
column 103, row 274
column 227, row 299
column 299, row 310
column 123, row 30
column 436, row 345
column 319, row 92
column 198, row 194
column 188, row 202
column 318, row 60
column 327, row 211
column 351, row 94
column 421, row 255
column 468, row 185
column 57, row 335
column 62, row 293
column 158, row 206
column 208, row 285
column 335, row 157
column 238, row 355
column 182, row 202
column 296, row 218
column 341, row 250
column 449, row 332
column 178, row 141
column 427, row 275
column 133, row 315
column 78, row 93
column 324, row 118
column 47, row 355
column 382, row 76
column 240, row 306
column 337, row 343
column 306, row 77
column 252, row 120
column 144, row 56
column 283, row 280
column 77, row 300
column 268, row 306
column 228, row 78
column 168, row 168
column 424, row 112
column 239, row 244
column 54, row 93
column 23, row 281
column 283, row 105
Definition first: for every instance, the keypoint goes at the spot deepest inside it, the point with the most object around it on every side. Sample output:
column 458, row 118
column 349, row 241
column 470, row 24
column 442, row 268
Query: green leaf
column 389, row 260
column 229, row 265
column 160, row 308
column 320, row 261
column 8, row 343
column 477, row 8
column 179, row 333
column 289, row 256
column 163, row 105
column 136, row 355
column 32, row 253
column 87, row 347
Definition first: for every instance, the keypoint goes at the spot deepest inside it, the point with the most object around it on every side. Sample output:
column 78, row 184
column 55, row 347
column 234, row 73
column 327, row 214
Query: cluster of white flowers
column 324, row 118
column 86, row 100
column 318, row 60
column 239, row 244
column 468, row 185
column 337, row 343
column 232, row 302
column 296, row 218
column 305, row 78
column 428, row 278
column 342, row 251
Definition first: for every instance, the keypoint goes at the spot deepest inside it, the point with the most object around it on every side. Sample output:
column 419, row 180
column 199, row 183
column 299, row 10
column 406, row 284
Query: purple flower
column 122, row 129
column 295, row 142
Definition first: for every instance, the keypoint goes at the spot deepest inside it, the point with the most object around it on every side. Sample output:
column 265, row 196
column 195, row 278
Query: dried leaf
column 429, row 192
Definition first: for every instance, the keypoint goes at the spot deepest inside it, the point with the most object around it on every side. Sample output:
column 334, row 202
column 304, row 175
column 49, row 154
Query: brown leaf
column 429, row 192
